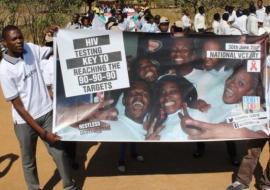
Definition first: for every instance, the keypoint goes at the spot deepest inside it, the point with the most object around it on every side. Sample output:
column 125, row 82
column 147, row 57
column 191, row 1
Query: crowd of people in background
column 253, row 20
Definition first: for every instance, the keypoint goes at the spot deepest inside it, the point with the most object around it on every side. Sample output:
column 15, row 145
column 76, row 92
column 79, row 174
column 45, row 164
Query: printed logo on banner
column 251, row 103
column 254, row 66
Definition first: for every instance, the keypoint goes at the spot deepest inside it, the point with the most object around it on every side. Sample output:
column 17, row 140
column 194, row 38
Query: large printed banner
column 115, row 86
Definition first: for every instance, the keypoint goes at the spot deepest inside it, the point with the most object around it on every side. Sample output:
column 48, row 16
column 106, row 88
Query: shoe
column 237, row 186
column 121, row 166
column 138, row 157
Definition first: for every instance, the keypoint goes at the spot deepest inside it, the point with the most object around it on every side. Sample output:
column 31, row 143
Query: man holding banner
column 24, row 87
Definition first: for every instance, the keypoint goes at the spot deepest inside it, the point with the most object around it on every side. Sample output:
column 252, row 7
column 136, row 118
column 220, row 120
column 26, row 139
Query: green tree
column 33, row 16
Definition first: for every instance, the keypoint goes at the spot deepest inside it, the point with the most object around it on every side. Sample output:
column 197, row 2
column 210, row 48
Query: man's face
column 120, row 18
column 210, row 63
column 151, row 20
column 259, row 4
column 164, row 27
column 137, row 101
column 75, row 18
column 201, row 11
column 147, row 70
column 87, row 22
column 170, row 97
column 238, row 85
column 14, row 43
column 181, row 52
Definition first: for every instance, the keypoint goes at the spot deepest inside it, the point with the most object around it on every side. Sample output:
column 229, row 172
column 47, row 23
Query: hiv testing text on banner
column 95, row 62
column 121, row 86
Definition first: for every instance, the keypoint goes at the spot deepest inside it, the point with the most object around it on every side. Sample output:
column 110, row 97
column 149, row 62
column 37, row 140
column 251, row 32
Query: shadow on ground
column 10, row 158
column 160, row 158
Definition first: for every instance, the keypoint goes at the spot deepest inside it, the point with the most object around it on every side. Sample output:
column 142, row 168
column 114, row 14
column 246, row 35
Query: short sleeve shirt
column 22, row 77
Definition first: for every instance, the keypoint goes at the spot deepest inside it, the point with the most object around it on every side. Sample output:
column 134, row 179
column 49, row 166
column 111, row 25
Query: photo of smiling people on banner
column 188, row 88
column 239, row 85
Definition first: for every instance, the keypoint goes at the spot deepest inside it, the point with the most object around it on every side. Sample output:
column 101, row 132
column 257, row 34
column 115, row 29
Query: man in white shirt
column 266, row 22
column 225, row 28
column 260, row 12
column 261, row 30
column 149, row 25
column 241, row 20
column 216, row 23
column 199, row 20
column 23, row 85
column 252, row 22
column 74, row 24
column 186, row 21
column 232, row 14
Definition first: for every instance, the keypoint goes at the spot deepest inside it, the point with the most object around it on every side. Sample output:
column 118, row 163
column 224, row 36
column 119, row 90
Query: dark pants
column 231, row 148
column 28, row 137
column 123, row 150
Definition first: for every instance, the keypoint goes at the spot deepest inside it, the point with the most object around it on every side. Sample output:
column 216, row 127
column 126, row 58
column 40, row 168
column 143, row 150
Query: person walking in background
column 252, row 22
column 199, row 20
column 75, row 23
column 225, row 28
column 186, row 21
column 260, row 12
column 241, row 20
column 216, row 23
column 266, row 22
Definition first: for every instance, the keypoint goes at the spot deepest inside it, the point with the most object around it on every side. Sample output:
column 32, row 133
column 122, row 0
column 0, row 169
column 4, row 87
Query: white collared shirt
column 147, row 27
column 260, row 13
column 241, row 23
column 210, row 87
column 261, row 31
column 232, row 16
column 215, row 26
column 74, row 25
column 199, row 22
column 266, row 23
column 225, row 28
column 173, row 131
column 47, row 68
column 252, row 25
column 186, row 21
column 23, row 78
